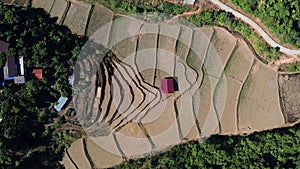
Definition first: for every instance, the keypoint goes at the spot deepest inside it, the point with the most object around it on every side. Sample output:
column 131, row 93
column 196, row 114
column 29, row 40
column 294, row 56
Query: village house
column 60, row 103
column 189, row 2
column 38, row 73
column 14, row 67
column 167, row 85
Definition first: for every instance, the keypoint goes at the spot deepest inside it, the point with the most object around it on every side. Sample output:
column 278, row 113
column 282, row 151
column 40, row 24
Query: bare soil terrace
column 141, row 120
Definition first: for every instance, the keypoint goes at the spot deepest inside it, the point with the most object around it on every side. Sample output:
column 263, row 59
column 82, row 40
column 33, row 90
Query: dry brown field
column 46, row 5
column 58, row 9
column 77, row 16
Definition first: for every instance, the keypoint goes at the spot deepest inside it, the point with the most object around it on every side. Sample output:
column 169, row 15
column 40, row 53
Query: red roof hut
column 38, row 73
column 167, row 85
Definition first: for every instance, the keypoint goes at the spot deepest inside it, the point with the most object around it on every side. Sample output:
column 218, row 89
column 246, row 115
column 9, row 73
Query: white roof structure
column 189, row 2
column 19, row 79
column 71, row 80
column 21, row 62
column 61, row 102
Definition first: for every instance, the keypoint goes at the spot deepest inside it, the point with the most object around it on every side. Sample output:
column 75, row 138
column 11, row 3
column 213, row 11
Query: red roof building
column 38, row 73
column 167, row 85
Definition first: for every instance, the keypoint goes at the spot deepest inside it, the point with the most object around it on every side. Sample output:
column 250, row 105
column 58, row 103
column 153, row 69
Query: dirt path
column 190, row 13
column 284, row 60
column 186, row 14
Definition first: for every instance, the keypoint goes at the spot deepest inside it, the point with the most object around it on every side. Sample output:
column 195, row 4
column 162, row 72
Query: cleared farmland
column 20, row 2
column 100, row 16
column 58, row 9
column 77, row 154
column 6, row 1
column 135, row 110
column 100, row 157
column 236, row 72
column 290, row 94
column 46, row 5
column 260, row 100
column 77, row 17
column 221, row 87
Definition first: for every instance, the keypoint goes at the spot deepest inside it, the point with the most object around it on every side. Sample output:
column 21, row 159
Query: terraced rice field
column 46, row 5
column 6, row 1
column 99, row 17
column 67, row 162
column 77, row 154
column 260, row 100
column 101, row 158
column 290, row 93
column 20, row 2
column 77, row 17
column 58, row 9
column 134, row 118
column 221, row 87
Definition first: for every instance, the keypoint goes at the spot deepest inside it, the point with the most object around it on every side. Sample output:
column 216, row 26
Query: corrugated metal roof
column 61, row 102
column 189, row 2
column 19, row 79
column 21, row 62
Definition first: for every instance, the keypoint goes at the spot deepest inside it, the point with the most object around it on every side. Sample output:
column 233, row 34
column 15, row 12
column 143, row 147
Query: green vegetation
column 29, row 138
column 281, row 17
column 294, row 67
column 141, row 7
column 270, row 149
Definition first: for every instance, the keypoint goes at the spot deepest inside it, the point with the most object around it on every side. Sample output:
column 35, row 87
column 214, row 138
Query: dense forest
column 270, row 149
column 28, row 120
column 280, row 16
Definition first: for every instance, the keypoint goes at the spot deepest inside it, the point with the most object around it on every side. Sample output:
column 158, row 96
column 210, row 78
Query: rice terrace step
column 221, row 86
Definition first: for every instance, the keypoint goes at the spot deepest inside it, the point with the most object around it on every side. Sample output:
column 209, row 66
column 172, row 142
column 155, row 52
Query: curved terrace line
column 255, row 26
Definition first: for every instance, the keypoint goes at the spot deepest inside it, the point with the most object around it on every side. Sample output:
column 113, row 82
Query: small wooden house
column 167, row 85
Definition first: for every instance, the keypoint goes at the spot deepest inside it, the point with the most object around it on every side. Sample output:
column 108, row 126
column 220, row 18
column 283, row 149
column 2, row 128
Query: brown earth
column 146, row 56
column 66, row 161
column 184, row 42
column 290, row 96
column 77, row 16
column 99, row 17
column 20, row 2
column 46, row 5
column 58, row 9
column 100, row 157
column 182, row 115
column 76, row 152
column 236, row 72
column 6, row 1
column 259, row 107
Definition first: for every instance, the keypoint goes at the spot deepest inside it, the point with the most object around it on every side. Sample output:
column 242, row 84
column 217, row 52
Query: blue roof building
column 61, row 103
